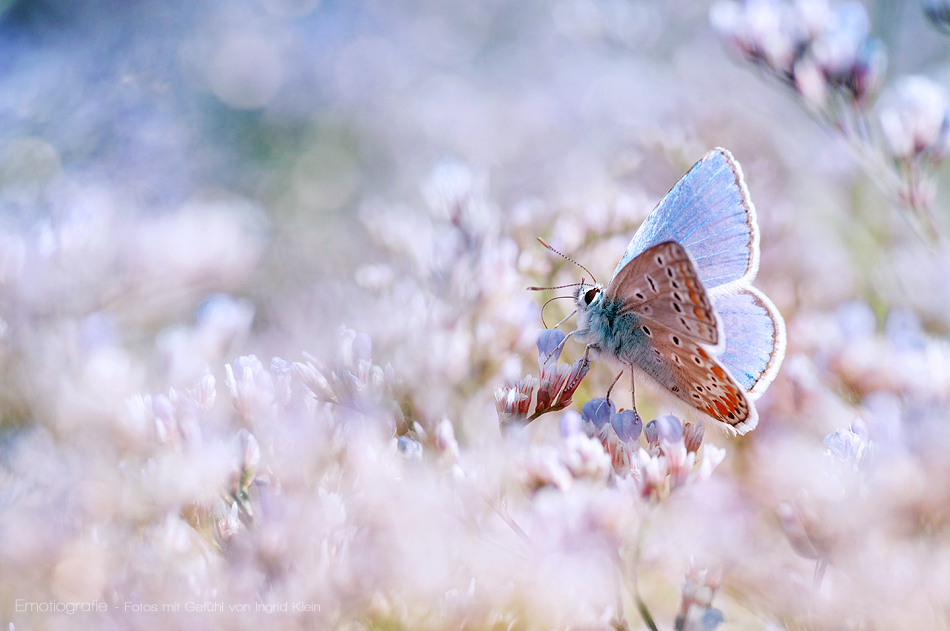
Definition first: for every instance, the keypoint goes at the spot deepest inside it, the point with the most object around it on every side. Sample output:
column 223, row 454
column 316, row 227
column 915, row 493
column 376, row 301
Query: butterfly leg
column 566, row 338
column 616, row 379
column 633, row 393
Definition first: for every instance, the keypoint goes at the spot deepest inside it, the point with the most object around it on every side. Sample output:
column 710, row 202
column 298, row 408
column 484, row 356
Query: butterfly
column 680, row 308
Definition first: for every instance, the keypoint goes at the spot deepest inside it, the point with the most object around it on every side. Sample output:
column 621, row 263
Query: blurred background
column 283, row 119
column 185, row 183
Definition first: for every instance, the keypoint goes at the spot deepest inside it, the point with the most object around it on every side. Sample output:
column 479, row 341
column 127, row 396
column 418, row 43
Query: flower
column 576, row 457
column 802, row 532
column 353, row 382
column 764, row 31
column 807, row 45
column 544, row 467
column 445, row 443
column 409, row 448
column 251, row 387
column 552, row 392
column 696, row 611
column 849, row 445
column 669, row 461
column 916, row 121
column 618, row 432
column 513, row 401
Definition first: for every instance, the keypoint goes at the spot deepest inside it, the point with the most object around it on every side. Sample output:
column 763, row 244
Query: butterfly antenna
column 562, row 255
column 558, row 287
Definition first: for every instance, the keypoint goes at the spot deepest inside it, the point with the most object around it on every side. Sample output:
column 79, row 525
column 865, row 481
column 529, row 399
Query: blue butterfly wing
column 755, row 337
column 710, row 214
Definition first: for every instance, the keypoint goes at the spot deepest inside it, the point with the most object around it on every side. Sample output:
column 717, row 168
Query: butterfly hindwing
column 662, row 285
column 754, row 333
column 710, row 214
column 689, row 372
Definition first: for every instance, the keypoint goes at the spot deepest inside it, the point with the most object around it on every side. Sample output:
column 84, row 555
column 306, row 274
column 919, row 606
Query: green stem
column 644, row 613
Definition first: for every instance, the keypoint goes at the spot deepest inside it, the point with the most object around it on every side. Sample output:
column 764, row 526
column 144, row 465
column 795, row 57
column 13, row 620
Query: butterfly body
column 611, row 333
column 693, row 258
column 620, row 337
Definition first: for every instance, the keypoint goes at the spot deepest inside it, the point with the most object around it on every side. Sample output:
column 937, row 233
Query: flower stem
column 502, row 512
column 641, row 606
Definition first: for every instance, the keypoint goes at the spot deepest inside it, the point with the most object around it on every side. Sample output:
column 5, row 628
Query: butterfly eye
column 590, row 295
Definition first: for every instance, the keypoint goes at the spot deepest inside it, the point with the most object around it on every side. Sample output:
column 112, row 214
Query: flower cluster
column 917, row 123
column 527, row 399
column 669, row 461
column 575, row 457
column 452, row 287
column 619, row 432
column 902, row 360
column 354, row 383
column 825, row 54
column 915, row 120
column 828, row 57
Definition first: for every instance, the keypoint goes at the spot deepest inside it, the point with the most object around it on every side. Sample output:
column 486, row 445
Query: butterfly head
column 587, row 298
column 585, row 295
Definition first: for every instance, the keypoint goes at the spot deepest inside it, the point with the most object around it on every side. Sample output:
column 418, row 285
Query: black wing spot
column 639, row 296
column 669, row 272
column 699, row 388
column 647, row 330
column 659, row 259
column 676, row 340
column 674, row 389
column 677, row 308
column 696, row 396
column 650, row 282
column 675, row 285
column 732, row 416
column 698, row 362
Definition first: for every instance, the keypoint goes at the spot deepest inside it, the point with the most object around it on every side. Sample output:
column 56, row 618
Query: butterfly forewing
column 661, row 286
